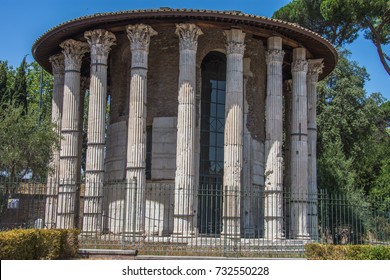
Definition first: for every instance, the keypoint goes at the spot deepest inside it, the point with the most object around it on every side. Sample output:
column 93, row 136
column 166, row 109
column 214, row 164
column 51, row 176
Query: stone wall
column 162, row 103
column 115, row 161
column 164, row 148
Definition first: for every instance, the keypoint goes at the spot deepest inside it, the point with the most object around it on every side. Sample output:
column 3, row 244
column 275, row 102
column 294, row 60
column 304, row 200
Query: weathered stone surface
column 159, row 219
column 299, row 169
column 164, row 148
column 115, row 161
column 69, row 155
column 184, row 218
column 163, row 94
column 57, row 62
column 100, row 42
column 139, row 36
column 314, row 69
column 274, row 140
column 233, row 141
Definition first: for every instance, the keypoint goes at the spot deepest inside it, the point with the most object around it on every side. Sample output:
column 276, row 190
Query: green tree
column 338, row 29
column 381, row 186
column 19, row 92
column 340, row 21
column 26, row 145
column 3, row 80
column 352, row 132
column 26, row 135
column 372, row 16
column 40, row 86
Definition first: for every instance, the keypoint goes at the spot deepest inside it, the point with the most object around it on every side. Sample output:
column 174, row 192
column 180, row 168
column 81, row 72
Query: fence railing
column 157, row 219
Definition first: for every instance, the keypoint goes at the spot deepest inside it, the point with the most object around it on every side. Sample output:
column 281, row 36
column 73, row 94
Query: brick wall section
column 162, row 86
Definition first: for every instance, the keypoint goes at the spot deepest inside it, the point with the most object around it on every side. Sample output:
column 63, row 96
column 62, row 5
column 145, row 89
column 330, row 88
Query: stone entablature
column 152, row 73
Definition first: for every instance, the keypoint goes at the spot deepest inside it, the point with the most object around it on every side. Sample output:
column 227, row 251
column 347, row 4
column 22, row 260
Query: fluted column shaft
column 314, row 69
column 139, row 36
column 57, row 62
column 233, row 143
column 299, row 171
column 273, row 216
column 184, row 216
column 73, row 52
column 100, row 42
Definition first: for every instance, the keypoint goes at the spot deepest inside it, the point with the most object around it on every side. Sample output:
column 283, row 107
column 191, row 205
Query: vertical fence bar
column 341, row 219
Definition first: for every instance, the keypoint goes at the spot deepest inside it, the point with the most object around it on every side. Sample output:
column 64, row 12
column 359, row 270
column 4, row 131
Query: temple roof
column 293, row 34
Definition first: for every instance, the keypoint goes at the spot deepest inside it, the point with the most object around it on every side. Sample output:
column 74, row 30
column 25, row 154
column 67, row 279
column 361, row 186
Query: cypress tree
column 3, row 81
column 19, row 93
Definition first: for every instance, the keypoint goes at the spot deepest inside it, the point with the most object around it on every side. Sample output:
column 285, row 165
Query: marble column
column 314, row 69
column 100, row 42
column 299, row 170
column 58, row 67
column 184, row 216
column 233, row 144
column 287, row 94
column 273, row 192
column 73, row 52
column 139, row 36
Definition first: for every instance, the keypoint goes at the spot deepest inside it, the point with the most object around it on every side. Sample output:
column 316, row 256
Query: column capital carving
column 74, row 51
column 139, row 36
column 274, row 56
column 235, row 41
column 57, row 64
column 100, row 41
column 315, row 67
column 299, row 65
column 188, row 34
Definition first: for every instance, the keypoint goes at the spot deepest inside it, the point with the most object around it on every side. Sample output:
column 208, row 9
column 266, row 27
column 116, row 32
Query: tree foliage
column 338, row 28
column 3, row 80
column 39, row 97
column 340, row 21
column 19, row 92
column 26, row 132
column 353, row 143
column 26, row 145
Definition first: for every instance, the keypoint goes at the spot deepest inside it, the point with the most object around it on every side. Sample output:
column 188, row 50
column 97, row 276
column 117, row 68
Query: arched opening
column 212, row 143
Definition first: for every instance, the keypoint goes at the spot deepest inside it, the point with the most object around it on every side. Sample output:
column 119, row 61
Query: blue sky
column 23, row 21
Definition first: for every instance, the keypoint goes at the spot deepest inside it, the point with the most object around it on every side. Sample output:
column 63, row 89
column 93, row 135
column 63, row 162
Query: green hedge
column 316, row 251
column 38, row 244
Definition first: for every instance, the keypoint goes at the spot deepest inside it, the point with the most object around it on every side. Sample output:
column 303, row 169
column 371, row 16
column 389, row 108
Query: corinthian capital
column 299, row 65
column 139, row 36
column 188, row 34
column 235, row 41
column 274, row 56
column 315, row 67
column 57, row 64
column 73, row 51
column 100, row 41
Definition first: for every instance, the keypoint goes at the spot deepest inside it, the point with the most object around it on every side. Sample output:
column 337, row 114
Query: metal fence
column 160, row 220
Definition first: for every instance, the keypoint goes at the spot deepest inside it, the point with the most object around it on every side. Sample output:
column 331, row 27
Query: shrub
column 316, row 251
column 38, row 244
column 18, row 244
